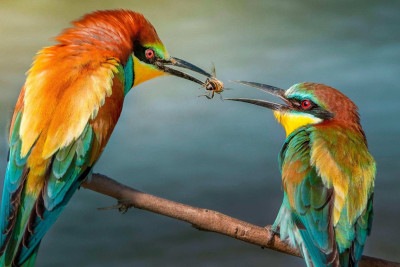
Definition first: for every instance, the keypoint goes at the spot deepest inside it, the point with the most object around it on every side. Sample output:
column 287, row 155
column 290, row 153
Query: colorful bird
column 327, row 173
column 65, row 114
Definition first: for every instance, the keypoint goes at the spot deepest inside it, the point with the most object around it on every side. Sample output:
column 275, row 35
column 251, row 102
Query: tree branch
column 203, row 219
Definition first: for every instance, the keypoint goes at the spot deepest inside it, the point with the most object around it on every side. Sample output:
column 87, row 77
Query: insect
column 213, row 85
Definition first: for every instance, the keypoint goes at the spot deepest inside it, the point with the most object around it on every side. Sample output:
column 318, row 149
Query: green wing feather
column 308, row 206
column 67, row 165
column 26, row 213
column 70, row 165
column 13, row 179
column 308, row 201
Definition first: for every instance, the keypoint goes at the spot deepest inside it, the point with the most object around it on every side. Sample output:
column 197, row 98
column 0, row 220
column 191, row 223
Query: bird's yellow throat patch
column 293, row 121
column 144, row 72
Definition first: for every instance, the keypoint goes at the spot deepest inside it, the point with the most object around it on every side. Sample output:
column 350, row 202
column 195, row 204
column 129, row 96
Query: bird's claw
column 122, row 207
column 274, row 230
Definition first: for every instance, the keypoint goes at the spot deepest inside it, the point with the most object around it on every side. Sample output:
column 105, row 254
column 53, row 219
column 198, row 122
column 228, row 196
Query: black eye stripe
column 298, row 103
column 140, row 52
column 314, row 109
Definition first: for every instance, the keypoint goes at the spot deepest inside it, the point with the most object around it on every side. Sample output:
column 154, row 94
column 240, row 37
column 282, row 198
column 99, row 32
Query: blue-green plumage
column 309, row 219
column 325, row 244
column 46, row 219
column 69, row 166
column 14, row 175
column 129, row 75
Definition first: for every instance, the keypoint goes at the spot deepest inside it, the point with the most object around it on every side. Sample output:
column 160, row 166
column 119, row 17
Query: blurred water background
column 216, row 154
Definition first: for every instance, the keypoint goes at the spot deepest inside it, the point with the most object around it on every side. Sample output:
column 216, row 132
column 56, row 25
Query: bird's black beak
column 266, row 88
column 176, row 62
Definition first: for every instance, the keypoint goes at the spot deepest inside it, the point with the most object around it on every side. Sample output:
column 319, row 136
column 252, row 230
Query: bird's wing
column 15, row 177
column 329, row 187
column 62, row 121
column 341, row 158
column 70, row 165
column 310, row 202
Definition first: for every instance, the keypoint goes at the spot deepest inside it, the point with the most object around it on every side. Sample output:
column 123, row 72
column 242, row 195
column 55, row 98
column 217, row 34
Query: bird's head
column 151, row 59
column 131, row 39
column 306, row 104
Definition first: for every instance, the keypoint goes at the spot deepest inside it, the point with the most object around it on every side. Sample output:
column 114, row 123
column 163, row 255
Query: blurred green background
column 216, row 154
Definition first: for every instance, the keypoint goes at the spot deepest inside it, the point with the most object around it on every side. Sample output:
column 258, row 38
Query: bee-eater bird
column 327, row 173
column 66, row 111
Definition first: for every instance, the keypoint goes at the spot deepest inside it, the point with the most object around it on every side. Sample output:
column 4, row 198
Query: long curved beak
column 265, row 88
column 176, row 62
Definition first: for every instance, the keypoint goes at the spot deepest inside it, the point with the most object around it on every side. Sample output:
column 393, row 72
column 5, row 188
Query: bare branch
column 203, row 219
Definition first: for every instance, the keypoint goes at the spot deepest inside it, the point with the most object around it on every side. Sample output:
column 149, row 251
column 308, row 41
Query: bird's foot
column 274, row 230
column 122, row 207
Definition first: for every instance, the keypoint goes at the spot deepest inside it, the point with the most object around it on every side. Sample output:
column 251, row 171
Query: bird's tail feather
column 32, row 224
column 17, row 231
column 30, row 262
column 313, row 256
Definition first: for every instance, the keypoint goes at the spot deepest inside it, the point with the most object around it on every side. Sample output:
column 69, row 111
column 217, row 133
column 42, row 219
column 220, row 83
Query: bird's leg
column 274, row 230
column 122, row 206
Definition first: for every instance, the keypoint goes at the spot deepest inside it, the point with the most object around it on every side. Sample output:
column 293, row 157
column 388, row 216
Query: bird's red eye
column 306, row 104
column 149, row 53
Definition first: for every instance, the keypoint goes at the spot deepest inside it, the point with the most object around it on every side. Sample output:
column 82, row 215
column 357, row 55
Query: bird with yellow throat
column 66, row 111
column 327, row 173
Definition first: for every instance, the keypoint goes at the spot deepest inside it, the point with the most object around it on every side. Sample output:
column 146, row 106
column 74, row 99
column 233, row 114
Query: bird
column 328, row 173
column 64, row 116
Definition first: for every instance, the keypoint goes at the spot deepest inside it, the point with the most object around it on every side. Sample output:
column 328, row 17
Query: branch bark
column 203, row 219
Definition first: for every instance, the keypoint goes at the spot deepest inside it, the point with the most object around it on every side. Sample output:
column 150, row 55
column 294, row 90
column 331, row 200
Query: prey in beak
column 211, row 84
column 150, row 62
column 176, row 62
